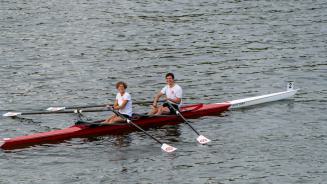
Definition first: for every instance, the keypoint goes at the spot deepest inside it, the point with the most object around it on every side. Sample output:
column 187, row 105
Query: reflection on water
column 122, row 141
column 170, row 133
column 118, row 141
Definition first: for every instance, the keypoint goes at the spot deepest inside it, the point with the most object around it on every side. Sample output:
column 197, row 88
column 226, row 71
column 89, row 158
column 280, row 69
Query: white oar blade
column 11, row 114
column 167, row 148
column 53, row 109
column 203, row 140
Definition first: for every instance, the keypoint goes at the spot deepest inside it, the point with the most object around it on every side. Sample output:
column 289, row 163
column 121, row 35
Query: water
column 72, row 53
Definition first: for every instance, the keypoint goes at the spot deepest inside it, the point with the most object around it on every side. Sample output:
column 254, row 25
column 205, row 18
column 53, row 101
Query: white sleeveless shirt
column 128, row 108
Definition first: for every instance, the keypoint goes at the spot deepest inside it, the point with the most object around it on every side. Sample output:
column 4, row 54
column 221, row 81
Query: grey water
column 59, row 53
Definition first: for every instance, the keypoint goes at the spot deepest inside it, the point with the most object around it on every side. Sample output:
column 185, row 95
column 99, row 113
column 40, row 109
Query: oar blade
column 203, row 140
column 167, row 148
column 11, row 114
column 53, row 109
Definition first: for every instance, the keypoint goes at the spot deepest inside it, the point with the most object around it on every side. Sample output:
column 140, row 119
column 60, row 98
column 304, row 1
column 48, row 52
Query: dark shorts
column 172, row 111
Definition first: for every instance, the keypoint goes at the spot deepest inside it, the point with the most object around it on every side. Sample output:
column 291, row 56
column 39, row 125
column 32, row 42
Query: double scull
column 144, row 121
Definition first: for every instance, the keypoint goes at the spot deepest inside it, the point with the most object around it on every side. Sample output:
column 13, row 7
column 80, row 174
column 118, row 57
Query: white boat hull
column 246, row 102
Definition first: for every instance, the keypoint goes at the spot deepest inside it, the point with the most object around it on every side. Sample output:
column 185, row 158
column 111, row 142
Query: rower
column 173, row 93
column 123, row 103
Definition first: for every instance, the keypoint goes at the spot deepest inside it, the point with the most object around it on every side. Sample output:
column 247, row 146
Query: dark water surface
column 73, row 52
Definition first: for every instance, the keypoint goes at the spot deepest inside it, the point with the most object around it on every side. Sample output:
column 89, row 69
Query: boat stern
column 3, row 141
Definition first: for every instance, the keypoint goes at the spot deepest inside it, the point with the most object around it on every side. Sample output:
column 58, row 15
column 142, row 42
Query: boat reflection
column 167, row 133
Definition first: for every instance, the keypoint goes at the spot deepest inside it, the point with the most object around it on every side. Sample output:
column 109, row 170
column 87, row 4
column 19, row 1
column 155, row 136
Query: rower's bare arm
column 123, row 105
column 156, row 98
column 175, row 100
column 116, row 106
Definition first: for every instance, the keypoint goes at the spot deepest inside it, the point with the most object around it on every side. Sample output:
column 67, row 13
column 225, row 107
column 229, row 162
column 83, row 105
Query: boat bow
column 245, row 102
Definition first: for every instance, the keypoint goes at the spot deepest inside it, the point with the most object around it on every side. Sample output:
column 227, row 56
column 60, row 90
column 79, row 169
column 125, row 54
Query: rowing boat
column 144, row 121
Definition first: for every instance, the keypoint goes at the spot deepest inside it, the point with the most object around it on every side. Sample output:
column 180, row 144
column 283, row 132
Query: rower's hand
column 109, row 107
column 117, row 107
column 155, row 104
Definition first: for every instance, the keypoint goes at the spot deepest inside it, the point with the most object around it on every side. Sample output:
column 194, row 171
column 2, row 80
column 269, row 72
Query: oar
column 165, row 147
column 201, row 139
column 91, row 106
column 13, row 114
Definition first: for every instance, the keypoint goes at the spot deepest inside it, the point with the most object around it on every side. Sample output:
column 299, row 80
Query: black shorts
column 172, row 110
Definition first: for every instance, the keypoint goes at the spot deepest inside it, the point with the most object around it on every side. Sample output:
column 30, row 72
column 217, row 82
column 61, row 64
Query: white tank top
column 128, row 108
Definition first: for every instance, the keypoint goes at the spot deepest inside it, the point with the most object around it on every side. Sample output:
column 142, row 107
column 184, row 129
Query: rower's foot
column 105, row 123
column 153, row 111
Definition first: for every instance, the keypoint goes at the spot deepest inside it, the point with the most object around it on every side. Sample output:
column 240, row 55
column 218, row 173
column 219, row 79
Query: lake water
column 55, row 53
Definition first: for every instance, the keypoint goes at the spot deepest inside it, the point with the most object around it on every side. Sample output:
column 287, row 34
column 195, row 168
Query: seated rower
column 173, row 93
column 123, row 104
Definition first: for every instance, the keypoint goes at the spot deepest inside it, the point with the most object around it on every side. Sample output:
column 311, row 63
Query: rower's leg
column 159, row 111
column 116, row 120
column 163, row 110
column 108, row 120
column 153, row 111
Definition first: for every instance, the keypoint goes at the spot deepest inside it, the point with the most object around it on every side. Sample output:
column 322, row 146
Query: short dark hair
column 170, row 74
column 121, row 83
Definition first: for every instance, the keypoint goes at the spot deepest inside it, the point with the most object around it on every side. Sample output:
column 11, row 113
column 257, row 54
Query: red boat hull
column 191, row 111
